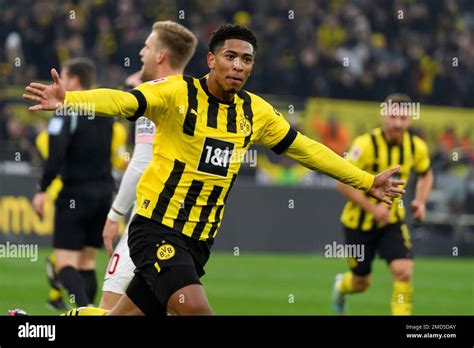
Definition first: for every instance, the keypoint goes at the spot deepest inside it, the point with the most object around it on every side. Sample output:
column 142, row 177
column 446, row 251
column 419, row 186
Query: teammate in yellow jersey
column 377, row 226
column 201, row 125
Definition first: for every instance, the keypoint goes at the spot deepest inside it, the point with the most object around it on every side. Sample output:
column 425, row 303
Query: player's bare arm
column 423, row 188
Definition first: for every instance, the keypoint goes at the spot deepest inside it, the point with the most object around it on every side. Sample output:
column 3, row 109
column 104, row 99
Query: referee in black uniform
column 79, row 152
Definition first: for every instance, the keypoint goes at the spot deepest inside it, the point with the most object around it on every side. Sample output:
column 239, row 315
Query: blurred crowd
column 359, row 49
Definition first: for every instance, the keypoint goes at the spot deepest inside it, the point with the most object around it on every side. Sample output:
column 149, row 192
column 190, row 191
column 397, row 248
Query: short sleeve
column 422, row 156
column 360, row 153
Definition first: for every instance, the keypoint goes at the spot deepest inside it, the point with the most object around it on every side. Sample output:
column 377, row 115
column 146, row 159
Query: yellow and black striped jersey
column 371, row 152
column 199, row 144
column 196, row 158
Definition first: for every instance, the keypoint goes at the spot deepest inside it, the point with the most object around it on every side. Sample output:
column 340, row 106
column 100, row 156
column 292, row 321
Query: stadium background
column 269, row 255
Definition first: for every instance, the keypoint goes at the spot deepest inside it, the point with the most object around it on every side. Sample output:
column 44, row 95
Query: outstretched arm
column 318, row 157
column 104, row 102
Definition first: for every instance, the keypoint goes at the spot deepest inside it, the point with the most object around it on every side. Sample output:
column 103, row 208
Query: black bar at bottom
column 430, row 331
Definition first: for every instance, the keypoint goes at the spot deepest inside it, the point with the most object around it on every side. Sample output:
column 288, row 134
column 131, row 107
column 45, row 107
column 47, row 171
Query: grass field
column 275, row 284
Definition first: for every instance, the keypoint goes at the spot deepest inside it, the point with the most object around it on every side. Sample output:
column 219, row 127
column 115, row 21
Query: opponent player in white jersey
column 120, row 269
column 166, row 52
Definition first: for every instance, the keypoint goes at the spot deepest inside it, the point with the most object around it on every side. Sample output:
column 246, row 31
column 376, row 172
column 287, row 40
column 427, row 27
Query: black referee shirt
column 79, row 151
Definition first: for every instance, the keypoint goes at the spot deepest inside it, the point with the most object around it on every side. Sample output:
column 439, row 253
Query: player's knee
column 61, row 264
column 87, row 258
column 181, row 304
column 66, row 258
column 86, row 265
column 403, row 274
column 195, row 309
column 361, row 283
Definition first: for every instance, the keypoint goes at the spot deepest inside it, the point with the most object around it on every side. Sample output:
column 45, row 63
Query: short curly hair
column 231, row 31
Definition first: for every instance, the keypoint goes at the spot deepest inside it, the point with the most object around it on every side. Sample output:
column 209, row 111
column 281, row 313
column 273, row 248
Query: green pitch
column 275, row 284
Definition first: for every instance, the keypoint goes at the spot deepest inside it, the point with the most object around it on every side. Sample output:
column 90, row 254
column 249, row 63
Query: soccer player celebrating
column 181, row 195
column 376, row 225
column 167, row 50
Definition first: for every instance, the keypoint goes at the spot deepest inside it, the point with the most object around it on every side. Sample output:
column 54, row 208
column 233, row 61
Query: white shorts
column 120, row 268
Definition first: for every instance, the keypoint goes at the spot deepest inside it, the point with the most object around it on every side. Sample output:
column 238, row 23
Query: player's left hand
column 38, row 203
column 46, row 97
column 419, row 210
column 384, row 187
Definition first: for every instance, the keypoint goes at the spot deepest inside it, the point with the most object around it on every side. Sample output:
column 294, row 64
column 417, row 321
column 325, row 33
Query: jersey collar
column 212, row 98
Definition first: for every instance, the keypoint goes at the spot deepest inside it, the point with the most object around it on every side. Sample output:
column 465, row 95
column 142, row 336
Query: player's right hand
column 38, row 203
column 109, row 234
column 384, row 186
column 47, row 97
column 381, row 213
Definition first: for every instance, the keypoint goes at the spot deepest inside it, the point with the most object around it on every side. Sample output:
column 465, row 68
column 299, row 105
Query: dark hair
column 231, row 31
column 83, row 68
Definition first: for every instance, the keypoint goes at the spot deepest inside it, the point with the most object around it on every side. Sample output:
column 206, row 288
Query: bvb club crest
column 165, row 252
column 244, row 126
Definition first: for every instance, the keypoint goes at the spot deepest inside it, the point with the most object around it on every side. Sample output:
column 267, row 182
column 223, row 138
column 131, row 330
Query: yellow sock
column 345, row 284
column 54, row 294
column 402, row 298
column 85, row 311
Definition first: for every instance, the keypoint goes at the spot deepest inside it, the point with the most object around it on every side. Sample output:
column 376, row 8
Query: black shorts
column 166, row 259
column 79, row 219
column 392, row 242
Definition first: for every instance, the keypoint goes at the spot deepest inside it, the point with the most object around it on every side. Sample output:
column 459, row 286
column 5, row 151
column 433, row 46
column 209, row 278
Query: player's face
column 395, row 126
column 148, row 55
column 232, row 64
